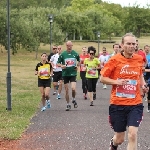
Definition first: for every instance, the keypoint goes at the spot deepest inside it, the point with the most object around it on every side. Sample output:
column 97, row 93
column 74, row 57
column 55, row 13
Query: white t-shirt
column 54, row 60
column 103, row 59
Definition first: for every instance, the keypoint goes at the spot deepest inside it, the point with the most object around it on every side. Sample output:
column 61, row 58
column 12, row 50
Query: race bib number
column 128, row 90
column 83, row 68
column 44, row 72
column 92, row 72
column 70, row 62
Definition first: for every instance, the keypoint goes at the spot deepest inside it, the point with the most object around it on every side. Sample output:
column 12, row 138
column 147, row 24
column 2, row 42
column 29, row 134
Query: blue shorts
column 121, row 117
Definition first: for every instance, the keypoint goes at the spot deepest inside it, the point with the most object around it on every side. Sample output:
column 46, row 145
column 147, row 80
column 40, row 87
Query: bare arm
column 142, row 81
column 147, row 70
column 107, row 80
column 36, row 72
column 61, row 65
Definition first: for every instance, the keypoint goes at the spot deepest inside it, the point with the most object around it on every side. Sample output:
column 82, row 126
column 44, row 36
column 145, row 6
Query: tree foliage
column 137, row 20
column 78, row 18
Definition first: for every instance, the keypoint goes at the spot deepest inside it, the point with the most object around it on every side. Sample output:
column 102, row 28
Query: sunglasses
column 91, row 53
column 54, row 48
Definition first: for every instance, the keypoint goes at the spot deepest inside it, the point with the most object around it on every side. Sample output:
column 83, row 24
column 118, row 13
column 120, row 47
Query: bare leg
column 42, row 95
column 132, row 138
column 90, row 94
column 67, row 92
column 73, row 87
column 60, row 87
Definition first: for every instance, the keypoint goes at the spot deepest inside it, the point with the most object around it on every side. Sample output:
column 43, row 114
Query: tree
column 137, row 20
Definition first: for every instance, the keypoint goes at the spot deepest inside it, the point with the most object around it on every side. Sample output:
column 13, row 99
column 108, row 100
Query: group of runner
column 124, row 70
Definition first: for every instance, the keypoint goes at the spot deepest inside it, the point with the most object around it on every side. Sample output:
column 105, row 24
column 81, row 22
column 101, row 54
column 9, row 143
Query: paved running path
column 83, row 128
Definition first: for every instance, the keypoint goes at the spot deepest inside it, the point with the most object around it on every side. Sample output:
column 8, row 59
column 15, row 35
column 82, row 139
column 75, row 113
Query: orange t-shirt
column 119, row 67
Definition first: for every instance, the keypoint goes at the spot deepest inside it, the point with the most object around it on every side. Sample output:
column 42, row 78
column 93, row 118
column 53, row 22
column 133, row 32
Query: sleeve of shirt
column 52, row 58
column 78, row 57
column 108, row 68
column 84, row 61
column 36, row 68
column 48, row 58
column 50, row 67
column 60, row 59
column 99, row 58
column 98, row 61
column 145, row 60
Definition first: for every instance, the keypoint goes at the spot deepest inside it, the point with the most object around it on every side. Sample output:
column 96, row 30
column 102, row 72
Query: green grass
column 25, row 93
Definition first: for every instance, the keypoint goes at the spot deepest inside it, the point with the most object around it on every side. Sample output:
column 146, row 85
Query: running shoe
column 68, row 107
column 145, row 97
column 75, row 104
column 54, row 93
column 148, row 110
column 48, row 104
column 94, row 96
column 43, row 108
column 104, row 86
column 58, row 97
column 85, row 97
column 112, row 147
column 91, row 104
column 57, row 87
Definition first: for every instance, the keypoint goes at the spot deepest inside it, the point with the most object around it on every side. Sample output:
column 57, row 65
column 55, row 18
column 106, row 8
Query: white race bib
column 128, row 90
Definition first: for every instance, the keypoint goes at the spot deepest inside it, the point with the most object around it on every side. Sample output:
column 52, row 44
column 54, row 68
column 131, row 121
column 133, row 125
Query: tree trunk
column 80, row 37
column 110, row 37
column 138, row 32
column 66, row 36
column 74, row 36
column 36, row 54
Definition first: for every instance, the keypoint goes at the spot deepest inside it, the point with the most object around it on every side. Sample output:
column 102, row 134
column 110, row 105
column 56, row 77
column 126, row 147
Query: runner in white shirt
column 103, row 58
column 57, row 72
column 116, row 48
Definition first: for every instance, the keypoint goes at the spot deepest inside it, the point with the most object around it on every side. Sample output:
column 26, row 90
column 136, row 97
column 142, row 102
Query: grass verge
column 25, row 93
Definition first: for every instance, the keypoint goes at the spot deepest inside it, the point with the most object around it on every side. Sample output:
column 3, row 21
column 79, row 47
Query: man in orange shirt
column 124, row 73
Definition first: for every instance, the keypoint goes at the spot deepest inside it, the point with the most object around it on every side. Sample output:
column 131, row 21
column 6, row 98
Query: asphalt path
column 82, row 128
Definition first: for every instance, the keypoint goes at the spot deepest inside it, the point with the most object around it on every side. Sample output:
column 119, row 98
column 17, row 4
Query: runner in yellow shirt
column 92, row 64
column 43, row 70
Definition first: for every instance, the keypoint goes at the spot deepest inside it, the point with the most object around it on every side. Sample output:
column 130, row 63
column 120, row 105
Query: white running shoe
column 43, row 108
column 104, row 86
column 148, row 110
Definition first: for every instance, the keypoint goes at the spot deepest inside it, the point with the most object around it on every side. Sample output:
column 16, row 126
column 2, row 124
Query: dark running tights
column 84, row 81
column 91, row 82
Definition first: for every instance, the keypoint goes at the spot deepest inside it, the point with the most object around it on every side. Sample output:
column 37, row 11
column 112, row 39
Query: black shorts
column 44, row 83
column 121, row 117
column 68, row 79
column 57, row 76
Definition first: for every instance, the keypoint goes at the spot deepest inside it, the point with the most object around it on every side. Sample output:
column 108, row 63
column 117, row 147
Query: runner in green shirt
column 92, row 64
column 69, row 61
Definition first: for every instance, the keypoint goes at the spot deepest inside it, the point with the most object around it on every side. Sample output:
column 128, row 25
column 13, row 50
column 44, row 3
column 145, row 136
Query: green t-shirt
column 91, row 73
column 70, row 60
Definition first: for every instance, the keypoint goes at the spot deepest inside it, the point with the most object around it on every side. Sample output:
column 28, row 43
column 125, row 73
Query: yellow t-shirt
column 91, row 72
column 43, row 70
